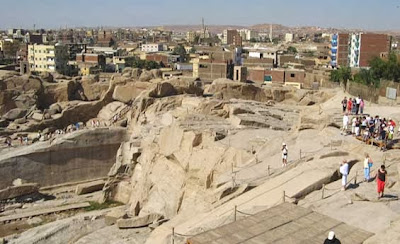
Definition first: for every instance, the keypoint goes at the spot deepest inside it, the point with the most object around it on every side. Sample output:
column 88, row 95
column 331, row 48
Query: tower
column 270, row 32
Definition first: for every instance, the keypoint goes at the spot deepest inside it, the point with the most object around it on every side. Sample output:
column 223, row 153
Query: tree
column 193, row 50
column 149, row 65
column 343, row 74
column 180, row 50
column 336, row 76
column 292, row 50
column 10, row 49
column 253, row 39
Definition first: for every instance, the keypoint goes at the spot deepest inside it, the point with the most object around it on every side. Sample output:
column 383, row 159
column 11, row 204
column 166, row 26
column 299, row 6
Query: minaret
column 270, row 32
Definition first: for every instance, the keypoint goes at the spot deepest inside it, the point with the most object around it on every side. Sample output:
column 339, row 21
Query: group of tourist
column 380, row 174
column 354, row 105
column 368, row 127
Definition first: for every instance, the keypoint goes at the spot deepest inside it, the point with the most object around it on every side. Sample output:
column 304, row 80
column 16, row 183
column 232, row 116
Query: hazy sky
column 366, row 14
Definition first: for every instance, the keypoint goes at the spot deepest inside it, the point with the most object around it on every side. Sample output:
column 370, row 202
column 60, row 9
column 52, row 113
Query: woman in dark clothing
column 380, row 180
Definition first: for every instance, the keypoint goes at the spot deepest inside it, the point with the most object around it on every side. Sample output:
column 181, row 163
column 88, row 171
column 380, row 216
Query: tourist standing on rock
column 332, row 239
column 353, row 106
column 358, row 102
column 344, row 170
column 344, row 104
column 345, row 124
column 8, row 141
column 362, row 105
column 381, row 180
column 284, row 154
column 367, row 167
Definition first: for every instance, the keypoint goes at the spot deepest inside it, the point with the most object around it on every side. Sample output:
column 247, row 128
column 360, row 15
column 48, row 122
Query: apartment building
column 357, row 49
column 90, row 63
column 152, row 47
column 232, row 37
column 47, row 58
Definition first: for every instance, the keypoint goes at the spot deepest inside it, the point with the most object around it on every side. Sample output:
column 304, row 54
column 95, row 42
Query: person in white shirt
column 345, row 124
column 344, row 170
column 284, row 154
column 367, row 167
column 358, row 101
column 353, row 125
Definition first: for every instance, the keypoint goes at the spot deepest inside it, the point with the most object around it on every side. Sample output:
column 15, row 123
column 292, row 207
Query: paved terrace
column 285, row 223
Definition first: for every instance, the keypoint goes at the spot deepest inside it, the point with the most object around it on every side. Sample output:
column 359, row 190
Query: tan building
column 90, row 63
column 48, row 58
column 209, row 71
column 190, row 36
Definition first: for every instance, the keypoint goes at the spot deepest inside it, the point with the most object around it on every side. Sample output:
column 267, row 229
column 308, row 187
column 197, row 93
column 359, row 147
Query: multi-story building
column 90, row 63
column 289, row 37
column 247, row 34
column 152, row 47
column 356, row 50
column 48, row 58
column 191, row 36
column 232, row 37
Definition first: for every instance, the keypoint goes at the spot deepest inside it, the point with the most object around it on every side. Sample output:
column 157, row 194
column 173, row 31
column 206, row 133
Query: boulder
column 75, row 91
column 26, row 100
column 128, row 92
column 89, row 187
column 122, row 123
column 56, row 108
column 14, row 114
column 187, row 86
column 136, row 72
column 138, row 221
column 127, row 72
column 156, row 73
column 47, row 77
column 163, row 89
column 107, row 112
column 111, row 217
column 19, row 182
column 4, row 123
column 24, row 83
column 146, row 76
column 20, row 121
column 37, row 116
column 17, row 191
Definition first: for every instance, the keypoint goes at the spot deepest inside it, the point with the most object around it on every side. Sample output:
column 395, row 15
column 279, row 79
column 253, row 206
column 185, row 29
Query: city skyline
column 368, row 14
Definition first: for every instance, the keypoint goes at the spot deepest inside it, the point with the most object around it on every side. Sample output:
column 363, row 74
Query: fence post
column 283, row 196
column 173, row 235
column 323, row 191
column 234, row 214
column 300, row 153
column 269, row 170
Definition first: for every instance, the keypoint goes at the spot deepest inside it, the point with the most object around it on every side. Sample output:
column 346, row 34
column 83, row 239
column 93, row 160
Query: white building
column 152, row 47
column 289, row 37
column 247, row 34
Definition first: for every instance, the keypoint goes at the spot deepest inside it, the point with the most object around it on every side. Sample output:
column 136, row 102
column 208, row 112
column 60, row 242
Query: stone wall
column 82, row 155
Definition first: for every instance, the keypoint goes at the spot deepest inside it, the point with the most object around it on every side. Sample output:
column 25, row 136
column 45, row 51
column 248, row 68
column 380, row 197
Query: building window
column 292, row 75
